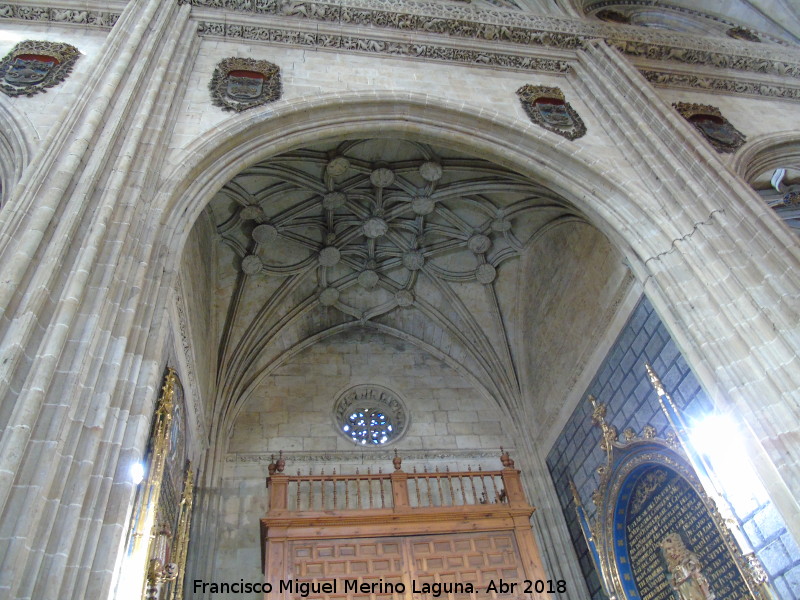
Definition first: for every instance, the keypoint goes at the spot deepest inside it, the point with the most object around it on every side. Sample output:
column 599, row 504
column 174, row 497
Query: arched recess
column 15, row 148
column 766, row 152
column 752, row 21
column 248, row 139
column 216, row 157
column 615, row 207
column 757, row 162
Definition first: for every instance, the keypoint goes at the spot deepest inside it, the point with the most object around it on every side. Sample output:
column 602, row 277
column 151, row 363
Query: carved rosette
column 33, row 66
column 242, row 83
column 547, row 108
column 708, row 120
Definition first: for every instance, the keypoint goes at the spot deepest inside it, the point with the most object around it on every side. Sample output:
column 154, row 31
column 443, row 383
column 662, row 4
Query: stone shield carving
column 547, row 107
column 242, row 83
column 708, row 120
column 33, row 66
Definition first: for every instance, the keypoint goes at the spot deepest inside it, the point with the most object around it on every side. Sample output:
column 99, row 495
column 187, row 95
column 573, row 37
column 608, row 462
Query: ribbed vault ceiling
column 415, row 241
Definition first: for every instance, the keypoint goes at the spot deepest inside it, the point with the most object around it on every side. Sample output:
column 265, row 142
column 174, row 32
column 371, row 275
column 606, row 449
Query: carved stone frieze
column 59, row 15
column 708, row 120
column 465, row 21
column 694, row 56
column 547, row 108
column 375, row 454
column 371, row 45
column 242, row 83
column 189, row 361
column 33, row 66
column 515, row 27
column 720, row 84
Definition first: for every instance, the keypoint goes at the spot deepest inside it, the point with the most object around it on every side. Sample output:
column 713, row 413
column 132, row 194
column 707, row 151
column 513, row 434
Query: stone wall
column 452, row 425
column 621, row 383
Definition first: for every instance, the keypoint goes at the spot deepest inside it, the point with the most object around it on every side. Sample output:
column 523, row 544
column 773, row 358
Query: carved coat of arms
column 708, row 120
column 242, row 83
column 33, row 66
column 546, row 107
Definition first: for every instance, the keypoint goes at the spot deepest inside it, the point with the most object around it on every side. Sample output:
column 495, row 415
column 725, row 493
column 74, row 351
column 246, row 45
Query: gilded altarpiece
column 657, row 534
column 162, row 516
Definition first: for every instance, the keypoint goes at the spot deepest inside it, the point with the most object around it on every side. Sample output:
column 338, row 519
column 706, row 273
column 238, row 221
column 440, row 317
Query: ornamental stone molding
column 356, row 456
column 715, row 128
column 460, row 21
column 188, row 360
column 381, row 46
column 381, row 28
column 241, row 83
column 513, row 27
column 547, row 107
column 720, row 84
column 624, row 11
column 33, row 66
column 93, row 18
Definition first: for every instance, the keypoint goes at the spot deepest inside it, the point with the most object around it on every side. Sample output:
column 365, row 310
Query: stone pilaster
column 720, row 270
column 77, row 369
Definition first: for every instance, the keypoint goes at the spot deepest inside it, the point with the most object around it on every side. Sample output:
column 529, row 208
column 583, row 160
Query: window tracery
column 370, row 415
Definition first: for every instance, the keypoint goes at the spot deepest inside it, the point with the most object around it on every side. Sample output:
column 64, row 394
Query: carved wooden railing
column 337, row 511
column 397, row 491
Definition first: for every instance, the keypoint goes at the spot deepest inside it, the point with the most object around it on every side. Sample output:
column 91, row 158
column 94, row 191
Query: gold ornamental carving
column 656, row 529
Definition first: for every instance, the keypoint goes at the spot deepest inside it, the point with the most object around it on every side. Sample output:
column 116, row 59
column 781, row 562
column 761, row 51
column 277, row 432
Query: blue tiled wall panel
column 621, row 383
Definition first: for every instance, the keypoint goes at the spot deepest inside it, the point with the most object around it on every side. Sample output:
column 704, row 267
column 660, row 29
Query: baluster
column 310, row 489
column 439, row 487
column 450, row 486
column 428, row 485
column 463, row 493
column 472, row 485
column 334, row 489
column 322, row 489
column 484, row 498
column 380, row 482
column 358, row 490
column 347, row 493
column 416, row 486
column 297, row 497
column 369, row 486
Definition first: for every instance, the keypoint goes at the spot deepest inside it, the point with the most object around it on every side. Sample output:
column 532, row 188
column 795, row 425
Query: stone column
column 80, row 373
column 720, row 269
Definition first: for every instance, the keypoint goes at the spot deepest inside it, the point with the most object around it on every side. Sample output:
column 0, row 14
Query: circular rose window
column 370, row 415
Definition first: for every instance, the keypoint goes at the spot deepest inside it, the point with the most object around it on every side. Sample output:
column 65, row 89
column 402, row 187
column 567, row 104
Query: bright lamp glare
column 717, row 435
column 137, row 473
column 718, row 438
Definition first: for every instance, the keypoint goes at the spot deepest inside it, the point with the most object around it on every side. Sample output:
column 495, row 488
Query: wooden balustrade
column 397, row 491
column 457, row 512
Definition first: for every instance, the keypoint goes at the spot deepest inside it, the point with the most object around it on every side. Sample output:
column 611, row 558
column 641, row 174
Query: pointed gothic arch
column 16, row 147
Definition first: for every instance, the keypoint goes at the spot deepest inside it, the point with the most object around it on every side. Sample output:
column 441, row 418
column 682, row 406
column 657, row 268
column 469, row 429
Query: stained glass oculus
column 370, row 415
